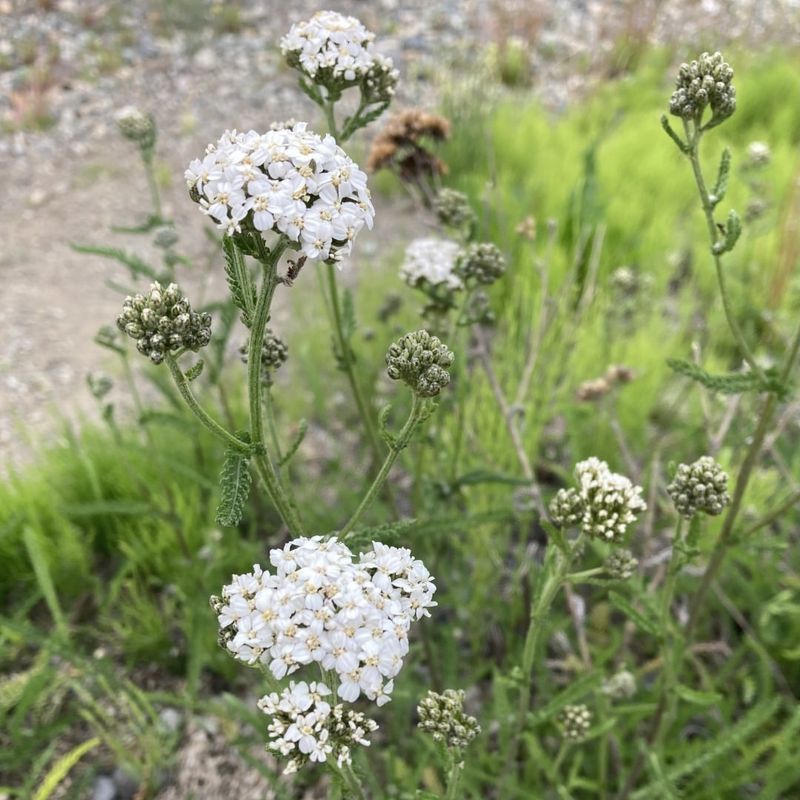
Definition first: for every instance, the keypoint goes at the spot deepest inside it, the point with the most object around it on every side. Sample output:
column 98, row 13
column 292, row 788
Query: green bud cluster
column 575, row 722
column 621, row 564
column 421, row 361
column 482, row 262
column 566, row 508
column 701, row 486
column 162, row 321
column 442, row 715
column 453, row 209
column 620, row 686
column 703, row 83
column 137, row 126
column 274, row 353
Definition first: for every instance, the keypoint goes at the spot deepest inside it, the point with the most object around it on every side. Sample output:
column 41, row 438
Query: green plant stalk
column 693, row 136
column 330, row 120
column 349, row 367
column 212, row 425
column 456, row 768
column 266, row 469
column 555, row 567
column 402, row 440
column 152, row 183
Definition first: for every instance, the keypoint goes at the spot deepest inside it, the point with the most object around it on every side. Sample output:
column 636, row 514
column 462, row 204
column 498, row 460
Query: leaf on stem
column 641, row 619
column 302, row 429
column 194, row 371
column 232, row 259
column 235, row 481
column 721, row 186
column 732, row 231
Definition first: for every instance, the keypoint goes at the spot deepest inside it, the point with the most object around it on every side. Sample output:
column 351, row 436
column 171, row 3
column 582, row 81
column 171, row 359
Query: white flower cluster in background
column 610, row 501
column 433, row 261
column 289, row 181
column 306, row 727
column 333, row 43
column 322, row 605
column 602, row 506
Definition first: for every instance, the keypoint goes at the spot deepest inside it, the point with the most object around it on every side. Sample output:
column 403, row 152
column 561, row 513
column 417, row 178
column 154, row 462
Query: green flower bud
column 702, row 83
column 162, row 321
column 453, row 209
column 621, row 564
column 421, row 361
column 575, row 722
column 137, row 126
column 273, row 354
column 442, row 715
column 483, row 263
column 701, row 486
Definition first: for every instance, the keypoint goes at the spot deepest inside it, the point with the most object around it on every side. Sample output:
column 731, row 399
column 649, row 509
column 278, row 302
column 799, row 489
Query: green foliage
column 235, row 480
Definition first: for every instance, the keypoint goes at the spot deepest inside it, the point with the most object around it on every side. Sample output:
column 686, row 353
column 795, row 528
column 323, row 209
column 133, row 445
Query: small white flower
column 433, row 261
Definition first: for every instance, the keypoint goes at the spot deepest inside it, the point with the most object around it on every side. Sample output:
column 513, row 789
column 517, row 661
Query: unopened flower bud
column 442, row 715
column 483, row 263
column 162, row 321
column 566, row 508
column 621, row 564
column 137, row 126
column 701, row 486
column 453, row 209
column 421, row 361
column 575, row 722
column 702, row 83
column 620, row 686
column 274, row 353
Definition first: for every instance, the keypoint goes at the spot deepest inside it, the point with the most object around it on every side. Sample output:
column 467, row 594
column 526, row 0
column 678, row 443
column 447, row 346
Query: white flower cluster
column 306, row 727
column 333, row 43
column 289, row 181
column 321, row 605
column 610, row 502
column 432, row 261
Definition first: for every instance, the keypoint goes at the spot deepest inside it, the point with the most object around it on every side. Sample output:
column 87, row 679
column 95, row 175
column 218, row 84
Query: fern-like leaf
column 727, row 383
column 235, row 481
column 234, row 272
column 135, row 264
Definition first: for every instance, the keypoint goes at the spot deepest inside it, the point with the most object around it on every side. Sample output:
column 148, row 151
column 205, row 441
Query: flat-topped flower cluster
column 603, row 504
column 306, row 727
column 290, row 181
column 322, row 605
column 432, row 260
column 336, row 45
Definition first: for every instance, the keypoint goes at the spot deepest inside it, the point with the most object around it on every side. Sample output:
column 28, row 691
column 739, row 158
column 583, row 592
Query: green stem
column 349, row 367
column 693, row 154
column 269, row 263
column 212, row 425
column 397, row 447
column 577, row 577
column 456, row 768
column 555, row 568
column 330, row 118
column 353, row 783
column 152, row 183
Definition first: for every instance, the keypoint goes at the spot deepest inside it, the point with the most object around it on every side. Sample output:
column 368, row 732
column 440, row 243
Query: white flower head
column 288, row 181
column 351, row 616
column 306, row 727
column 332, row 45
column 433, row 261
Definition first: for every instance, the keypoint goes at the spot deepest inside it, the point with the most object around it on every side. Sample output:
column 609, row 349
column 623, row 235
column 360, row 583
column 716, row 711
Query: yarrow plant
column 321, row 605
column 330, row 621
column 289, row 181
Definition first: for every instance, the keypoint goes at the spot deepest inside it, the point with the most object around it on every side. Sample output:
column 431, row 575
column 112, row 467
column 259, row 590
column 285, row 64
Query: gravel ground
column 76, row 178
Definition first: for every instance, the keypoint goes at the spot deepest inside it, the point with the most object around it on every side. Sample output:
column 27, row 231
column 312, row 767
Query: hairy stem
column 693, row 136
column 212, row 425
column 267, row 471
column 456, row 767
